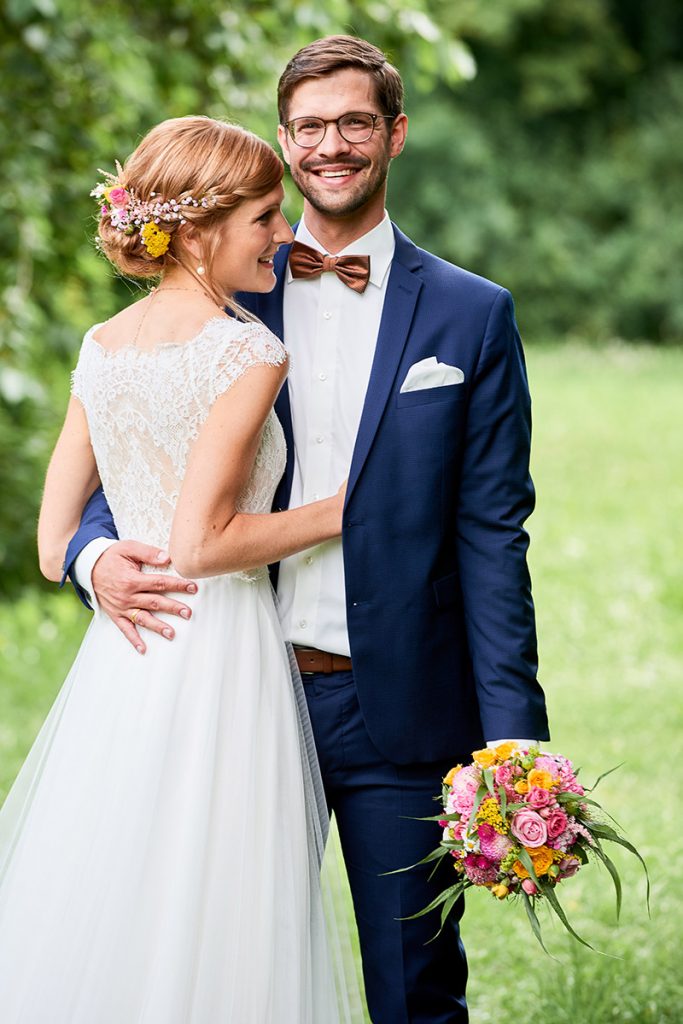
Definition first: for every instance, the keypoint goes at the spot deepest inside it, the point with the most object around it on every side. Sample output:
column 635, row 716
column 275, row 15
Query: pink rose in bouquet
column 537, row 797
column 515, row 824
column 556, row 823
column 529, row 827
column 464, row 790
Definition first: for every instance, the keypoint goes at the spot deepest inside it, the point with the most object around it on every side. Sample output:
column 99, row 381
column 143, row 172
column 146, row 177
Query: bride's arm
column 209, row 536
column 71, row 479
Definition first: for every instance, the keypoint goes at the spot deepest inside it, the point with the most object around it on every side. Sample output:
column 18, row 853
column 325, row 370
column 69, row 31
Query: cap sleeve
column 81, row 374
column 244, row 345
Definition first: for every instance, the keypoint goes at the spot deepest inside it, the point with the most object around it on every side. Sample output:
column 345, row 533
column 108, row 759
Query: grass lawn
column 607, row 538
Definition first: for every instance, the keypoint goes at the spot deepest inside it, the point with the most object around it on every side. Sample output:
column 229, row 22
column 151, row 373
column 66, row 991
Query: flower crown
column 128, row 213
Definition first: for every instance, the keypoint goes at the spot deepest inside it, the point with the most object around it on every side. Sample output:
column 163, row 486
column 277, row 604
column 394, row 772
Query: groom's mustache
column 355, row 162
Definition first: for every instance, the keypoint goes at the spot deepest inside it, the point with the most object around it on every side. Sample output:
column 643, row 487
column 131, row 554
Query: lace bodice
column 145, row 409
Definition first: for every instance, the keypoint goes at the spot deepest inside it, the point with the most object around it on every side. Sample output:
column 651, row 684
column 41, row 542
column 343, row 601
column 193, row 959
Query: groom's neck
column 336, row 233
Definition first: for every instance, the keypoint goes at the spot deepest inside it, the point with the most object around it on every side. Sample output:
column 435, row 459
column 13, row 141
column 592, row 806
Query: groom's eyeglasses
column 354, row 128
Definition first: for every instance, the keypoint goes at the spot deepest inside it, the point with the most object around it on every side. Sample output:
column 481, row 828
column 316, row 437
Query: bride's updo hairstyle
column 205, row 168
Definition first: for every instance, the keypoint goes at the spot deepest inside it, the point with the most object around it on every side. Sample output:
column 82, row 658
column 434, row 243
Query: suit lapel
column 270, row 310
column 403, row 287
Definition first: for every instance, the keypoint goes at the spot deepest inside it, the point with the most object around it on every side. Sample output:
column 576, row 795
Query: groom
column 415, row 632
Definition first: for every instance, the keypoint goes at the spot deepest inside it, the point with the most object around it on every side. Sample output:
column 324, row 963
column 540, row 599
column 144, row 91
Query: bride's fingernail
column 163, row 557
column 192, row 588
column 140, row 649
column 168, row 633
column 185, row 613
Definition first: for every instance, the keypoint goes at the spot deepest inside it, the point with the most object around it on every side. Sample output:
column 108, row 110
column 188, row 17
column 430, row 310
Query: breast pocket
column 451, row 393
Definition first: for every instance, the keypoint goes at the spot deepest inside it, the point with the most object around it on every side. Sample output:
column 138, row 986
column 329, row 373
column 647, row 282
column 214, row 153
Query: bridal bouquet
column 518, row 823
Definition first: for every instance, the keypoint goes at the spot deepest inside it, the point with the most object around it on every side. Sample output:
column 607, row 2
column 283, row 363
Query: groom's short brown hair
column 334, row 53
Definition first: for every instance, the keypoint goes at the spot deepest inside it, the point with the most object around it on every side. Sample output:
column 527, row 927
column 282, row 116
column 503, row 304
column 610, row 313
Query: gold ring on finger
column 134, row 614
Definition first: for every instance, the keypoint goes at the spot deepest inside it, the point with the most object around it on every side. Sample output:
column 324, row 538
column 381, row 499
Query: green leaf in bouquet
column 487, row 776
column 450, row 894
column 481, row 793
column 453, row 816
column 589, row 819
column 438, row 854
column 535, row 923
column 547, row 889
column 611, row 867
column 604, row 775
column 602, row 831
column 502, row 797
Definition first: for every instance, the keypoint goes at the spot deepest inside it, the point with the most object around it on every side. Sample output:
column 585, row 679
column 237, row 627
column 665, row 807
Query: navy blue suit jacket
column 440, row 615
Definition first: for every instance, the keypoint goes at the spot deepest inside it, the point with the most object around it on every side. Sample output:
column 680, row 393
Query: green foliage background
column 545, row 152
column 605, row 555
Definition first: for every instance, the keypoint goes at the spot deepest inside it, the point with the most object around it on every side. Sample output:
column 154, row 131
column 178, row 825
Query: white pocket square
column 429, row 373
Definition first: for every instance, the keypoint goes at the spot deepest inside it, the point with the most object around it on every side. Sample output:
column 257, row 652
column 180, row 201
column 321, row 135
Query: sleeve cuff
column 81, row 571
column 520, row 743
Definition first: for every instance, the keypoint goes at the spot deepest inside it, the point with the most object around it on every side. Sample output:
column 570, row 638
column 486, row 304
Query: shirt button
column 303, row 623
column 309, row 560
column 319, row 439
column 322, row 376
column 316, row 497
column 327, row 315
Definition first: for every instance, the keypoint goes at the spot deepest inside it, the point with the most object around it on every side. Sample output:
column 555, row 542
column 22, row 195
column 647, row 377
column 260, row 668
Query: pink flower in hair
column 118, row 197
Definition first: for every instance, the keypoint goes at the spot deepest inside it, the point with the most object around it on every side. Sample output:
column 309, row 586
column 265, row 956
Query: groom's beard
column 353, row 198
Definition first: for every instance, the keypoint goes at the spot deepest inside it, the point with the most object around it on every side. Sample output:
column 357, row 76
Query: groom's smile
column 337, row 177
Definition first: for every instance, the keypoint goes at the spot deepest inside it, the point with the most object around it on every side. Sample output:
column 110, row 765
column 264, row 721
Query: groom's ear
column 283, row 139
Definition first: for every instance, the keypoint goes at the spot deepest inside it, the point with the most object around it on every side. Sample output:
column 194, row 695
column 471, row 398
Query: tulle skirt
column 159, row 851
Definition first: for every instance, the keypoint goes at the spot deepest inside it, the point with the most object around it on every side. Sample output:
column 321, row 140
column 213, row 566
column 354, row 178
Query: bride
column 159, row 851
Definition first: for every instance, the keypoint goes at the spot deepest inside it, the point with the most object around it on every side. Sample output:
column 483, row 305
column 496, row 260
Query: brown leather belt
column 309, row 659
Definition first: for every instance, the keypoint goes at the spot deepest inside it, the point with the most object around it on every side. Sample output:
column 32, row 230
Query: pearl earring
column 200, row 269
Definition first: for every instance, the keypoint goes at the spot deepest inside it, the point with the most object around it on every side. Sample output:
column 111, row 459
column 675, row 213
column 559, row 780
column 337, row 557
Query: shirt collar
column 378, row 244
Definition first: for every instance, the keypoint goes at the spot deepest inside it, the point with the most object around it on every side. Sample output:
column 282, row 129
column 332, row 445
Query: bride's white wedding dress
column 159, row 851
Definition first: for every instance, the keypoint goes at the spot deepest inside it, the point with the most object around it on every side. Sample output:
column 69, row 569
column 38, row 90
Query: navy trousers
column 375, row 804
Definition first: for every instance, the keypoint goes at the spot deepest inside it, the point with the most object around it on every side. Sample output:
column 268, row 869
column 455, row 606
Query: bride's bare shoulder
column 149, row 322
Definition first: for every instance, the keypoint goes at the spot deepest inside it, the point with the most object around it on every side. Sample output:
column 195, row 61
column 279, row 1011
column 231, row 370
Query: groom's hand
column 125, row 593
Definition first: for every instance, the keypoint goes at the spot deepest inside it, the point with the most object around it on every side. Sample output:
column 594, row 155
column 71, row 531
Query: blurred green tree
column 81, row 85
column 545, row 152
column 557, row 169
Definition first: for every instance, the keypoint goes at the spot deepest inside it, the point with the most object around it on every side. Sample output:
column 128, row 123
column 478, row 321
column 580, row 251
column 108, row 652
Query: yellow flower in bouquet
column 540, row 778
column 505, row 750
column 484, row 758
column 451, row 775
column 541, row 858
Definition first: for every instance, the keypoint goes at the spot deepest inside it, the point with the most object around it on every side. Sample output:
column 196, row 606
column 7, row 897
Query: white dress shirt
column 331, row 334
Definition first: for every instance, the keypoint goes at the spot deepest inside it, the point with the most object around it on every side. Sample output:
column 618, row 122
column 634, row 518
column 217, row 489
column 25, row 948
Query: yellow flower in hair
column 155, row 241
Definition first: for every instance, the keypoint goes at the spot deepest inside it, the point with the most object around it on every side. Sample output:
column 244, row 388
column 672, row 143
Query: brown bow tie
column 354, row 271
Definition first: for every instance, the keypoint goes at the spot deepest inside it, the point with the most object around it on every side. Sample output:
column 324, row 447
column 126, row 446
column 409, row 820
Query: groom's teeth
column 336, row 174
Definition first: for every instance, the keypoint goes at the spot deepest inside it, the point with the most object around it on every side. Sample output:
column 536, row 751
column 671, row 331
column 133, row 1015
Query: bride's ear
column 192, row 243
